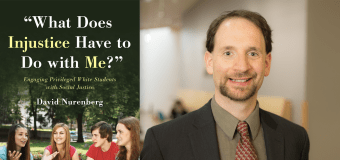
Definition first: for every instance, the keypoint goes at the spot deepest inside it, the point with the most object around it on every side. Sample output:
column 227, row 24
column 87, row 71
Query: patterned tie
column 245, row 149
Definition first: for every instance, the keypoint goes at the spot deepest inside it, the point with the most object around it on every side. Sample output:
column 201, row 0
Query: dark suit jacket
column 193, row 137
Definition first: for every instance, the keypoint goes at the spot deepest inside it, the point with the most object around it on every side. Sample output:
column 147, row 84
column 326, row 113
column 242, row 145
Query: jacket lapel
column 204, row 140
column 273, row 139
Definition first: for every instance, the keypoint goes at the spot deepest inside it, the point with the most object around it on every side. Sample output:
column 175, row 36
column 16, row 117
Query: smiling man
column 102, row 148
column 231, row 126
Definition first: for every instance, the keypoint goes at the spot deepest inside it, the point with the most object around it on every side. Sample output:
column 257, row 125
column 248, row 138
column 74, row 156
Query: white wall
column 159, row 70
column 287, row 19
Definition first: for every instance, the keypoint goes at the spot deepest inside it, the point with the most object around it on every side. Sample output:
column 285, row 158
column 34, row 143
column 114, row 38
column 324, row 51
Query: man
column 231, row 125
column 102, row 148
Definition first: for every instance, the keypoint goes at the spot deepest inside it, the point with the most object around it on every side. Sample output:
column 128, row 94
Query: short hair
column 254, row 17
column 104, row 130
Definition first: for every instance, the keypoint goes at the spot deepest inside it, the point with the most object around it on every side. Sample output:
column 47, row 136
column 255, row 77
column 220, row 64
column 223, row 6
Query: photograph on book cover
column 69, row 63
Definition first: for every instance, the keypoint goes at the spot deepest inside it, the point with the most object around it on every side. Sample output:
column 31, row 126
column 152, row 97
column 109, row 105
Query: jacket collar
column 204, row 140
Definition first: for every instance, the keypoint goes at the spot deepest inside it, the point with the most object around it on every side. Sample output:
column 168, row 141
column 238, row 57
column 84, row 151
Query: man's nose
column 242, row 63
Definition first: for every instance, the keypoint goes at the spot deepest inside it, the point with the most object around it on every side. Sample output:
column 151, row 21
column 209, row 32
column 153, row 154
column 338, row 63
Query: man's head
column 254, row 17
column 101, row 133
column 238, row 54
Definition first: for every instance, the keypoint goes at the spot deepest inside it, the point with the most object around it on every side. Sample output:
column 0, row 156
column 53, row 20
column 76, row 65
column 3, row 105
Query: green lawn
column 38, row 146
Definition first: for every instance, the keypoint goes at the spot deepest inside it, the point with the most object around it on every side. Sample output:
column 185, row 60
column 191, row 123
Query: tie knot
column 242, row 128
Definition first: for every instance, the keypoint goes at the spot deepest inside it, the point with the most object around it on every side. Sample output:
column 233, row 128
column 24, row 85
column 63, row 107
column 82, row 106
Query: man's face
column 97, row 140
column 239, row 61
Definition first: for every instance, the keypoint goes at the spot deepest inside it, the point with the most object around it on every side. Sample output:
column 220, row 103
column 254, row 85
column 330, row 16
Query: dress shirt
column 228, row 137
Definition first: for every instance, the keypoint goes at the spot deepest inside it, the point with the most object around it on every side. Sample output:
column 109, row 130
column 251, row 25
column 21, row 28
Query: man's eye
column 253, row 54
column 227, row 53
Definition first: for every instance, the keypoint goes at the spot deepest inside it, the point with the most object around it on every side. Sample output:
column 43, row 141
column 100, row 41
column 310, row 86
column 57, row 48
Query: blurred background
column 303, row 85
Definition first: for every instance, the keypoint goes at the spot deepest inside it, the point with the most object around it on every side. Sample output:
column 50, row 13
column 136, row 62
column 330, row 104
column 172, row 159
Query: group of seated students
column 128, row 145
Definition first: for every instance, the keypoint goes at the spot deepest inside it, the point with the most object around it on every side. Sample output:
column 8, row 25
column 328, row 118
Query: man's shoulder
column 175, row 136
column 283, row 125
column 93, row 151
column 182, row 122
column 114, row 144
column 179, row 127
column 295, row 137
column 114, row 147
column 93, row 147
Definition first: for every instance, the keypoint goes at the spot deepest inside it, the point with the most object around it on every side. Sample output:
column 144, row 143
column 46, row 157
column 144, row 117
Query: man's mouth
column 240, row 80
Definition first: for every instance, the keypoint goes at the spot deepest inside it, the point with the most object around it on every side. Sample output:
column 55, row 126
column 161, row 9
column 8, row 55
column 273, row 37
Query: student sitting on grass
column 60, row 148
column 128, row 136
column 18, row 144
column 102, row 148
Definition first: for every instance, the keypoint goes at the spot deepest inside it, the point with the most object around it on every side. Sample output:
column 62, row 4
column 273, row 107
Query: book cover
column 69, row 61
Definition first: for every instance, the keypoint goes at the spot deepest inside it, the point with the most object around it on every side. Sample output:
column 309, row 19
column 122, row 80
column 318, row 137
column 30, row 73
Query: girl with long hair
column 60, row 148
column 128, row 139
column 18, row 144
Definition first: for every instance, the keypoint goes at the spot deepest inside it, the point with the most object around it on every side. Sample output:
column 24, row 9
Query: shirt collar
column 228, row 122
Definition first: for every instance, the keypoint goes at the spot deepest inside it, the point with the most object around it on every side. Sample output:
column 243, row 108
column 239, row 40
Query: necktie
column 245, row 149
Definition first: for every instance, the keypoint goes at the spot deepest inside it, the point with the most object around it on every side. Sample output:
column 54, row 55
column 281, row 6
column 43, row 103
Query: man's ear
column 267, row 64
column 208, row 62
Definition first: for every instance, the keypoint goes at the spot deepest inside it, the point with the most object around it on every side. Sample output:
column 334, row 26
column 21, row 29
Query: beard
column 225, row 91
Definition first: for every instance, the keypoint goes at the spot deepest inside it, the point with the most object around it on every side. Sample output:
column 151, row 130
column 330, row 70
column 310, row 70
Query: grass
column 38, row 146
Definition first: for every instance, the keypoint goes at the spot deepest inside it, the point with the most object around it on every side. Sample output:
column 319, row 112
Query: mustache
column 242, row 75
